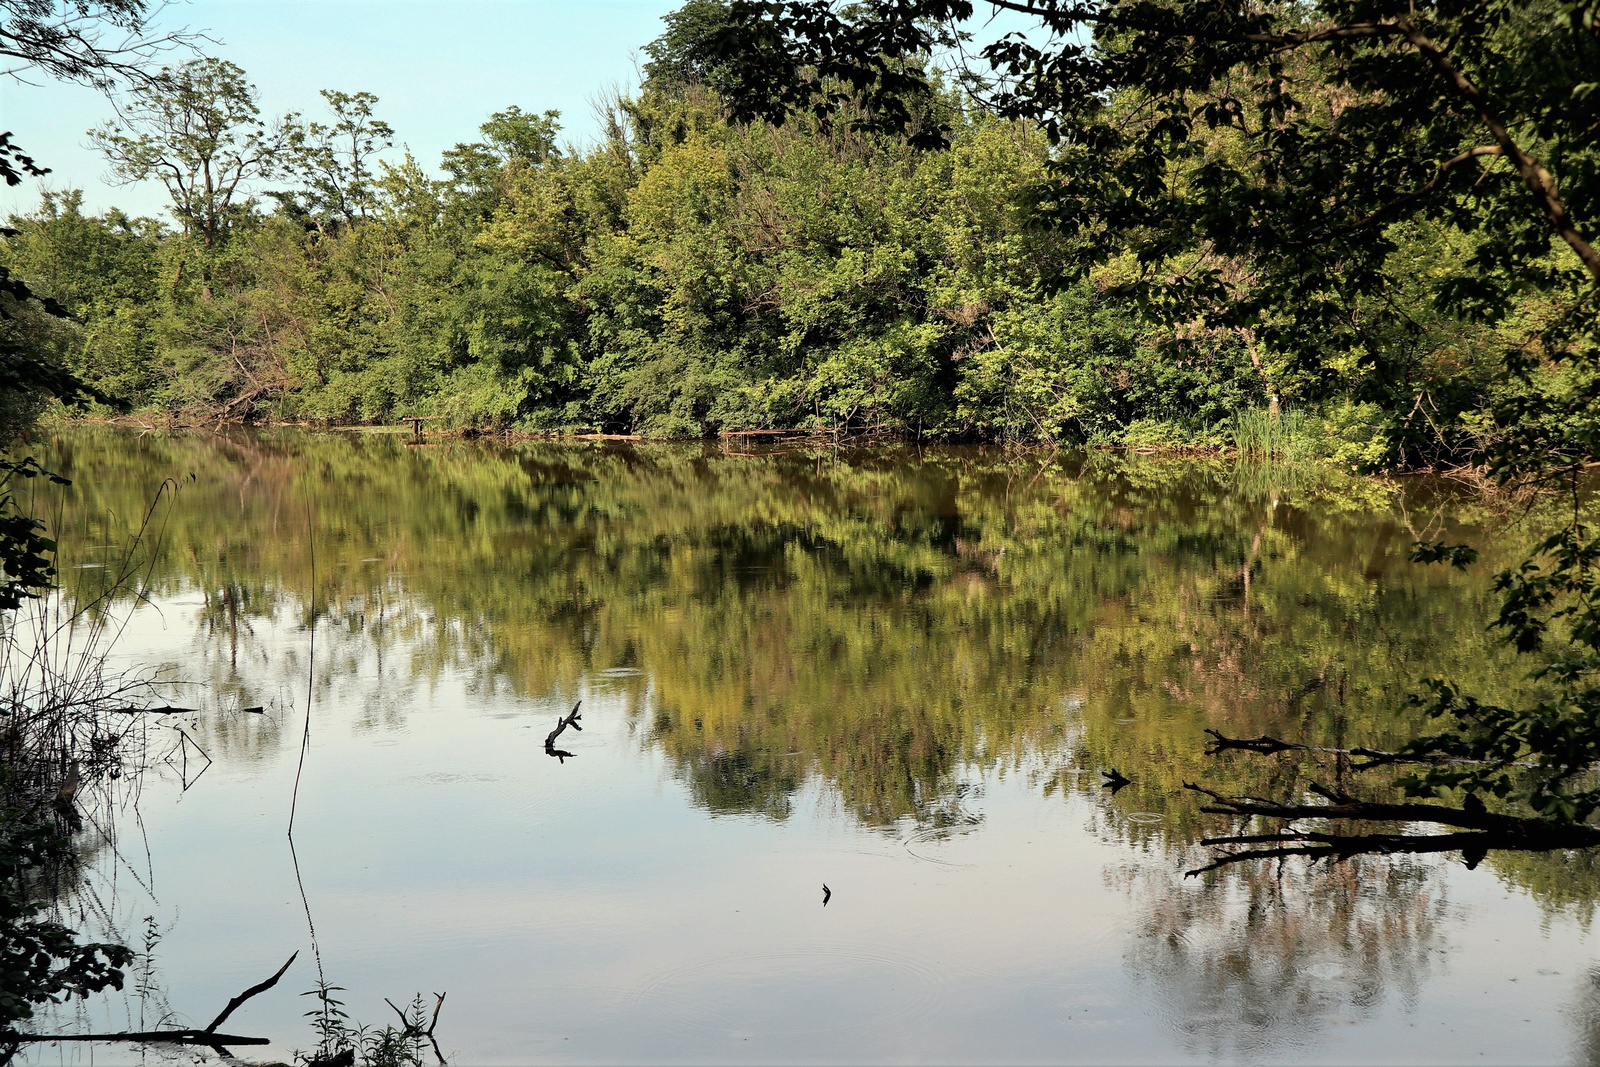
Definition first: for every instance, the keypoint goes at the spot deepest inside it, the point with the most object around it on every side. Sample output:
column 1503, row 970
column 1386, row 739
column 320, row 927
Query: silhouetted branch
column 157, row 711
column 561, row 724
column 169, row 1037
column 409, row 1029
column 207, row 1037
column 1317, row 846
column 1489, row 830
column 1375, row 757
column 259, row 987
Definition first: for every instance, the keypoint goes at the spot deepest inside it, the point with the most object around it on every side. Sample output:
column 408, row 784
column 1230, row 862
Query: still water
column 895, row 672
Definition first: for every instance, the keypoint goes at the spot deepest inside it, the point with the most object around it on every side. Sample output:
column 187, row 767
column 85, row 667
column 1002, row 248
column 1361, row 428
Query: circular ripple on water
column 1146, row 816
column 1327, row 971
column 935, row 835
column 814, row 992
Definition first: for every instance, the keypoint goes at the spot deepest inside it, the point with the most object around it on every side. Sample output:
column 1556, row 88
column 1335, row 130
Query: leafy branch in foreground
column 1544, row 752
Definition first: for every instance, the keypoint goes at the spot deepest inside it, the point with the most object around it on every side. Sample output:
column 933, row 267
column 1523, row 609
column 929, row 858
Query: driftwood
column 1477, row 830
column 207, row 1037
column 571, row 720
column 170, row 1037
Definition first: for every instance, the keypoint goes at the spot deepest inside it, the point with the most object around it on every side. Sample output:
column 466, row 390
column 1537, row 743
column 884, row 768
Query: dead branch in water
column 259, row 987
column 571, row 720
column 1269, row 745
column 152, row 1037
column 207, row 1037
column 1485, row 830
column 409, row 1029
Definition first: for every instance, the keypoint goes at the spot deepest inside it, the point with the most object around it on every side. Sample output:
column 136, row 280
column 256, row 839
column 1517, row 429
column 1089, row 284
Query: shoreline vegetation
column 695, row 273
column 1293, row 451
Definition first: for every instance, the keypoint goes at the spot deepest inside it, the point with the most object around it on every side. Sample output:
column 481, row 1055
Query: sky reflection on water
column 898, row 674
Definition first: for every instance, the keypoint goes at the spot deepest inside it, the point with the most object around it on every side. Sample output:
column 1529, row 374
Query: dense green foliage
column 1289, row 150
column 695, row 272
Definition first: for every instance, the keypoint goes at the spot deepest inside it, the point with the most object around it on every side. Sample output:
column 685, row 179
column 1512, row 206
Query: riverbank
column 1294, row 438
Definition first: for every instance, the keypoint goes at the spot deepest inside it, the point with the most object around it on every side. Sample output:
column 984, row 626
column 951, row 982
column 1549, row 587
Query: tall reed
column 1289, row 434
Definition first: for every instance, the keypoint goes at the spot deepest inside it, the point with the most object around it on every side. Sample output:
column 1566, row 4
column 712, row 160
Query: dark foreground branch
column 410, row 1028
column 207, row 1037
column 259, row 987
column 1318, row 846
column 170, row 1037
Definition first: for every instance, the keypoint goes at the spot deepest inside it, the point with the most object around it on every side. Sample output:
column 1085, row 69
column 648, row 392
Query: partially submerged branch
column 207, row 1037
column 1485, row 830
column 259, row 987
column 571, row 720
column 1269, row 745
column 411, row 1029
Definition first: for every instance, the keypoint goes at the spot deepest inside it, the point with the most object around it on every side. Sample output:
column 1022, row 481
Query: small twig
column 1114, row 780
column 406, row 1027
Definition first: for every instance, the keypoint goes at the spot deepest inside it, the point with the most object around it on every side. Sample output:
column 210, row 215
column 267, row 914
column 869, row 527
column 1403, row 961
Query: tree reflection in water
column 892, row 625
column 1261, row 958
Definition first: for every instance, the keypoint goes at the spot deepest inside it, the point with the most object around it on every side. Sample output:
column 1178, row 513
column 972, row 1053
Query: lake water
column 896, row 672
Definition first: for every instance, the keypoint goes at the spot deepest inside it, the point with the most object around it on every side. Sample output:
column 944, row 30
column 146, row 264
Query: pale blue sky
column 439, row 68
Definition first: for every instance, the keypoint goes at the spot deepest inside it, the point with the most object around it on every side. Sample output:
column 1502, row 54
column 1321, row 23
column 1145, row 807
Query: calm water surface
column 896, row 672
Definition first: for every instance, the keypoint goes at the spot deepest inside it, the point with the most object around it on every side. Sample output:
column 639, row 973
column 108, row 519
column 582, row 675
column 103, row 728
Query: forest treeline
column 689, row 274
